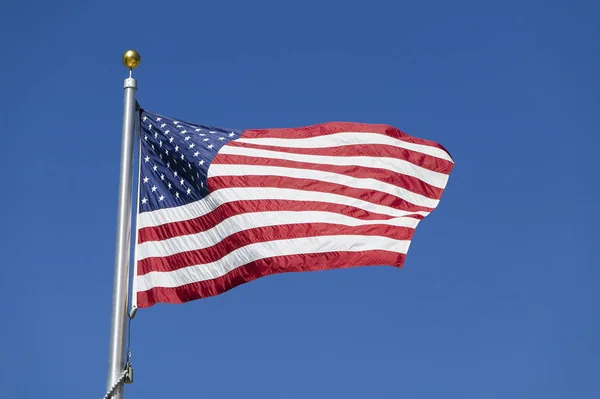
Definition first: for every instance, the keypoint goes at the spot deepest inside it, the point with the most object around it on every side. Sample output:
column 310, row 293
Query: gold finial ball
column 131, row 59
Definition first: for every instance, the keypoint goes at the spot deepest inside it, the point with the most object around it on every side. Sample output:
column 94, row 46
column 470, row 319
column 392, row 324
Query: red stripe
column 263, row 234
column 338, row 127
column 368, row 195
column 209, row 220
column 367, row 150
column 361, row 172
column 265, row 267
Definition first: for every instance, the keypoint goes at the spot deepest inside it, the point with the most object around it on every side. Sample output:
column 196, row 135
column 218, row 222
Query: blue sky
column 499, row 296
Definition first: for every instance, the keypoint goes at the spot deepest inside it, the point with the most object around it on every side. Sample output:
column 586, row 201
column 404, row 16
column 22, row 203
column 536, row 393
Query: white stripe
column 327, row 177
column 247, row 221
column 263, row 250
column 226, row 195
column 348, row 138
column 392, row 164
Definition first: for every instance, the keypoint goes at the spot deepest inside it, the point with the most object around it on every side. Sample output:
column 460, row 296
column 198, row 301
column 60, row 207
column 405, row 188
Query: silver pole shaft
column 116, row 359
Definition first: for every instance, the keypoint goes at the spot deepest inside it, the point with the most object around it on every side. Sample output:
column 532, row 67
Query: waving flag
column 221, row 207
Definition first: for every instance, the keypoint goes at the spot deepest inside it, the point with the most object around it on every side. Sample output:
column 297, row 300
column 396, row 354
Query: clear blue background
column 499, row 297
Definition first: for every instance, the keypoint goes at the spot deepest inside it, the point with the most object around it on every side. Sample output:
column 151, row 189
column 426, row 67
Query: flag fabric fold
column 221, row 207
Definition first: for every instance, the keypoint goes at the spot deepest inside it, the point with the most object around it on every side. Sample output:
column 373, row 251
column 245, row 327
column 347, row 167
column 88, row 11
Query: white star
column 212, row 132
column 167, row 152
column 147, row 159
column 149, row 126
column 171, row 140
column 155, row 135
column 201, row 162
column 196, row 153
column 154, row 188
column 163, row 125
column 210, row 146
column 160, row 143
column 177, row 194
column 146, row 180
column 158, row 119
column 175, row 173
column 205, row 139
column 144, row 200
column 181, row 182
column 175, row 122
column 144, row 118
column 198, row 130
column 188, row 191
column 221, row 138
column 187, row 138
column 183, row 131
column 176, row 148
column 231, row 134
column 146, row 137
column 169, row 185
column 155, row 168
column 202, row 135
column 162, row 176
column 168, row 164
column 167, row 131
column 182, row 156
column 162, row 197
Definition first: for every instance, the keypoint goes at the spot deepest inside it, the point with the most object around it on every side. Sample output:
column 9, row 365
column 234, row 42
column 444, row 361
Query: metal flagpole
column 116, row 358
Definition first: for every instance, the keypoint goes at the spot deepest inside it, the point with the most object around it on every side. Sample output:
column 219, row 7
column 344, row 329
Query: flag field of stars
column 175, row 157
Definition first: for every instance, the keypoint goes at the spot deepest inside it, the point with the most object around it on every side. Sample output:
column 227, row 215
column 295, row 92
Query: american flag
column 221, row 207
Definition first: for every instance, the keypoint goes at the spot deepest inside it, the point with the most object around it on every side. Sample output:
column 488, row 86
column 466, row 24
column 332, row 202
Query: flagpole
column 116, row 358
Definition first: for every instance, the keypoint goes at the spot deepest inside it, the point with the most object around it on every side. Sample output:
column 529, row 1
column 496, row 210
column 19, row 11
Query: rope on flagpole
column 117, row 383
column 127, row 374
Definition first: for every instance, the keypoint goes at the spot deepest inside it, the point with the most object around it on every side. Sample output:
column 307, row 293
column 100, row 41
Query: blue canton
column 175, row 157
